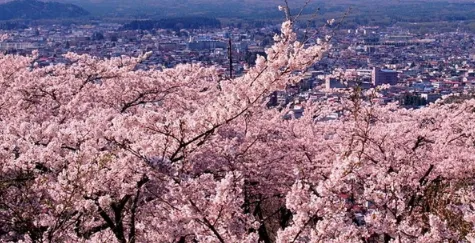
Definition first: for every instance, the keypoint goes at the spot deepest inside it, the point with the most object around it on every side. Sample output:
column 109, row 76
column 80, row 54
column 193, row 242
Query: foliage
column 412, row 100
column 12, row 26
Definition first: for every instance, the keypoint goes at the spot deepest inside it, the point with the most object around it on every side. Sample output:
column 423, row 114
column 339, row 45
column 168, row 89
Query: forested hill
column 174, row 23
column 33, row 9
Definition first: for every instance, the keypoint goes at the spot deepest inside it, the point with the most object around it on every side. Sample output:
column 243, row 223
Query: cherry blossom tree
column 397, row 175
column 96, row 150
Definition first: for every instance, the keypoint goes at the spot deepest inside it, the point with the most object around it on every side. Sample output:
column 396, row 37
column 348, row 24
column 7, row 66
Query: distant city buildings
column 419, row 68
column 384, row 76
column 206, row 45
column 18, row 46
column 334, row 83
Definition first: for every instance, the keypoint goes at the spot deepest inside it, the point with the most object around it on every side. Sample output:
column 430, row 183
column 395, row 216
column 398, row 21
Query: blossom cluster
column 3, row 37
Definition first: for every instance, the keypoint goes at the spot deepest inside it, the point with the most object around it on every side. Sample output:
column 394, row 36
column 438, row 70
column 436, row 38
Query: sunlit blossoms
column 3, row 37
column 97, row 151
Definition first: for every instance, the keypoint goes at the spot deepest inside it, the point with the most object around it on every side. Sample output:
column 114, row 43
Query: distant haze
column 263, row 9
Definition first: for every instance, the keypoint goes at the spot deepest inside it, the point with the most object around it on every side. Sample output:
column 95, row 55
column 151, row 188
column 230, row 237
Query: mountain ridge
column 34, row 10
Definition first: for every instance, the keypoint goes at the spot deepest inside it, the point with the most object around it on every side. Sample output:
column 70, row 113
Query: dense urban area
column 419, row 68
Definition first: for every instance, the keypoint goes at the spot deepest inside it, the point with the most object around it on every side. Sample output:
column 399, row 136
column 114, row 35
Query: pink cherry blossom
column 96, row 151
